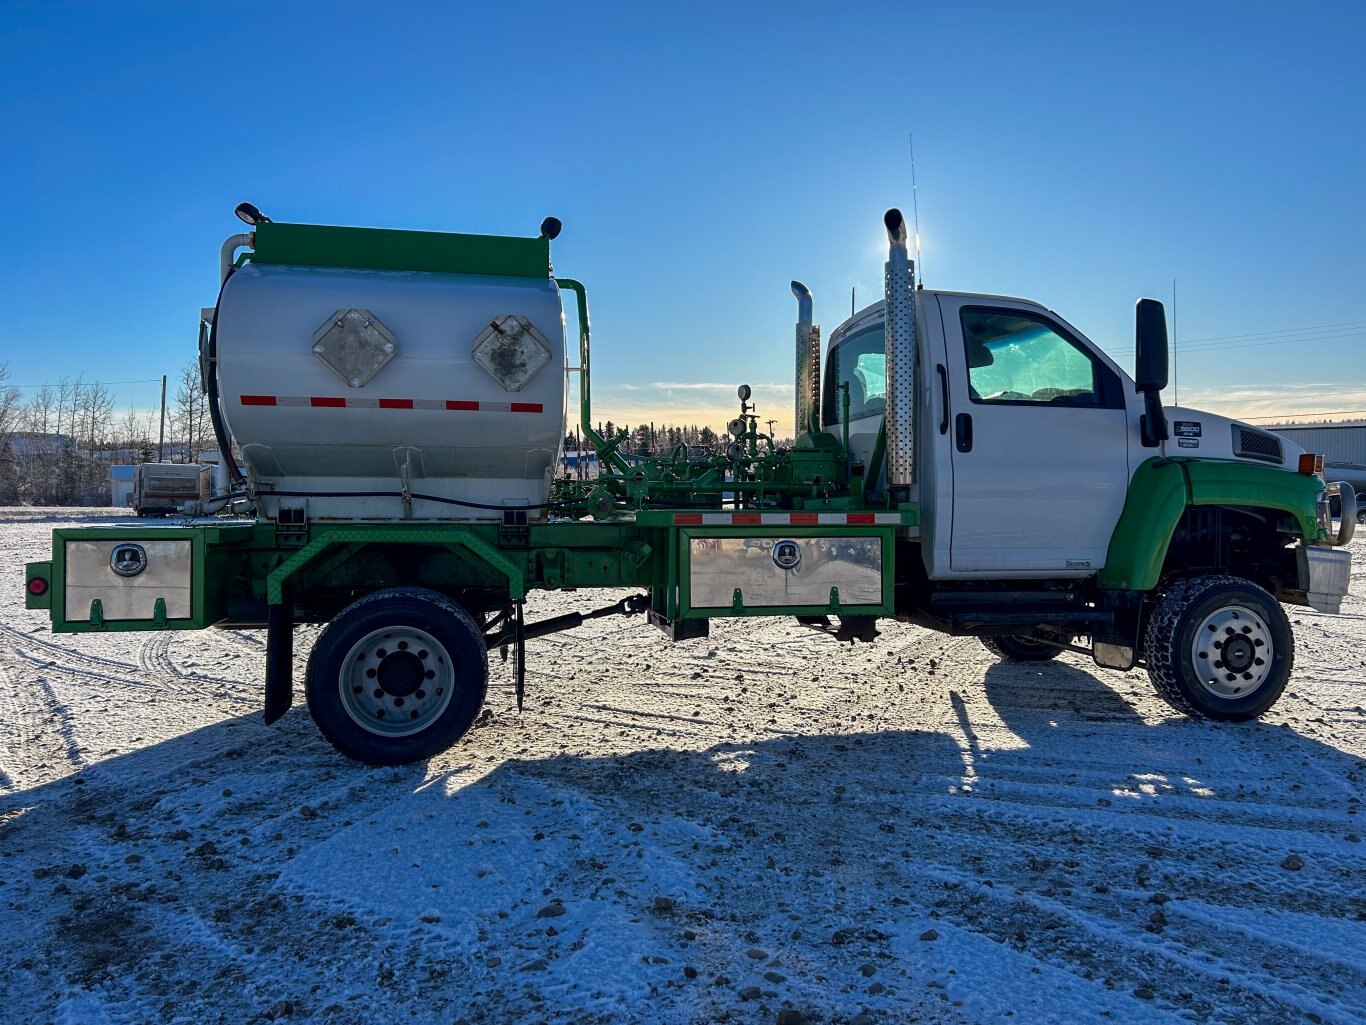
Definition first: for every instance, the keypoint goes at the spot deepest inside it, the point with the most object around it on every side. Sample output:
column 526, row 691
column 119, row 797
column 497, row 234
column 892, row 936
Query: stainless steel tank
column 345, row 379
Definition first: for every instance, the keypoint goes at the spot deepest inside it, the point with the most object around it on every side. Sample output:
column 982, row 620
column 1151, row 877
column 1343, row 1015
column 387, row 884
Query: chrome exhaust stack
column 807, row 416
column 899, row 286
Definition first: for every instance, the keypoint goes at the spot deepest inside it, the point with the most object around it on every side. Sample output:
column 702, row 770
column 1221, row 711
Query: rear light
column 37, row 587
column 1311, row 464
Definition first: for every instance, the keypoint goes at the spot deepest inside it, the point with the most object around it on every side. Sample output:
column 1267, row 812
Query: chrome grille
column 1251, row 443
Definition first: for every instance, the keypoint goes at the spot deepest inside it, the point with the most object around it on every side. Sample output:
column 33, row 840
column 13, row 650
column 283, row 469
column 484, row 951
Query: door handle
column 963, row 432
column 944, row 393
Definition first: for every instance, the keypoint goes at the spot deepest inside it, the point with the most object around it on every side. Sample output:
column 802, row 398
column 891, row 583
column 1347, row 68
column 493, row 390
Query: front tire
column 398, row 676
column 1219, row 647
column 1019, row 648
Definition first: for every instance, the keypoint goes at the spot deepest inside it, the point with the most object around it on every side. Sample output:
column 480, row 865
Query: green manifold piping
column 585, row 407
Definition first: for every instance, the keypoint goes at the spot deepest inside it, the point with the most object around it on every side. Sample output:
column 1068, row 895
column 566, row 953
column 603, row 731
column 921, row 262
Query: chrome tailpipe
column 899, row 291
column 806, row 413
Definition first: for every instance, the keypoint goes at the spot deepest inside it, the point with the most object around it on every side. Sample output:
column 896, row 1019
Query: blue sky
column 700, row 157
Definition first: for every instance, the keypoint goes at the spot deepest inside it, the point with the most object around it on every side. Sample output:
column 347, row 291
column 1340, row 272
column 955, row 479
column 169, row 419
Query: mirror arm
column 1154, row 424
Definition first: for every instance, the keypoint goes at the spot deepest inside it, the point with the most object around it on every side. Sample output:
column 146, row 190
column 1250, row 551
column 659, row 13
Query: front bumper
column 1347, row 512
column 1325, row 575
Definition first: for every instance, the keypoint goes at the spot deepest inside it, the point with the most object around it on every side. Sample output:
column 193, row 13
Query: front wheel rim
column 396, row 681
column 1232, row 652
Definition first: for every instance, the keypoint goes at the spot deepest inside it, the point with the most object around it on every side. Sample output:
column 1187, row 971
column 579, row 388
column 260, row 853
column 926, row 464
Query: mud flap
column 279, row 657
column 1116, row 645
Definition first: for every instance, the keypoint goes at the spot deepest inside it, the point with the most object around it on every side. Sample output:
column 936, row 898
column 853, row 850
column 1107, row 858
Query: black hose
column 220, row 430
column 411, row 494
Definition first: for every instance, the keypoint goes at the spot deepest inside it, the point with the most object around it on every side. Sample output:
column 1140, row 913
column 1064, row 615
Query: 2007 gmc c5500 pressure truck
column 391, row 408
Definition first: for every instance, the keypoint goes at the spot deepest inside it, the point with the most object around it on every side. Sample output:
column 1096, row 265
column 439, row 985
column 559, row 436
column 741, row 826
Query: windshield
column 861, row 361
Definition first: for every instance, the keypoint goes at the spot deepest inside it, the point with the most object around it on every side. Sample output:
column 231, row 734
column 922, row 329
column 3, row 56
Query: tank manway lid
column 317, row 245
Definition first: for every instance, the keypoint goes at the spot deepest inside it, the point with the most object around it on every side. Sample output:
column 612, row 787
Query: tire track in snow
column 155, row 656
column 19, row 637
column 38, row 730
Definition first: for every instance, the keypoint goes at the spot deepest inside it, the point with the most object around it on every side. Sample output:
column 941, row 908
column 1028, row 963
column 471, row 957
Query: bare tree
column 9, row 418
column 9, row 406
column 133, row 438
column 190, row 418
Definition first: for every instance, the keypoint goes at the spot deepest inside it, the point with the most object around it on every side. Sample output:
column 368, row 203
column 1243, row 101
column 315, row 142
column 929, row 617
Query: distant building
column 587, row 459
column 121, row 485
column 27, row 443
column 1337, row 443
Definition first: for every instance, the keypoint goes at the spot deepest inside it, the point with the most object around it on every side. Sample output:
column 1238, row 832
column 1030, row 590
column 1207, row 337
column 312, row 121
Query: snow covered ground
column 718, row 830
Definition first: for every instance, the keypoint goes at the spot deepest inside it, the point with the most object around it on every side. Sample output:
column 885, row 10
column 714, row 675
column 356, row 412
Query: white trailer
column 160, row 489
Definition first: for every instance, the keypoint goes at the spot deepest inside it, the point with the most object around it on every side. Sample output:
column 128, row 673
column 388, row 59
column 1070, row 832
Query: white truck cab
column 1027, row 433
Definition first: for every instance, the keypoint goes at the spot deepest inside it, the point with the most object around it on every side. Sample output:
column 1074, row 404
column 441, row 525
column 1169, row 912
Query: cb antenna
column 1176, row 381
column 915, row 211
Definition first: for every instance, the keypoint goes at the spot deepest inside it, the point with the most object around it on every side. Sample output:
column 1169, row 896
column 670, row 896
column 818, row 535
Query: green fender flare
column 1161, row 490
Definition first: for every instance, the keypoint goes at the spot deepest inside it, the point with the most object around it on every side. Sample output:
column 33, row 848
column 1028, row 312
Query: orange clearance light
column 1310, row 463
column 37, row 587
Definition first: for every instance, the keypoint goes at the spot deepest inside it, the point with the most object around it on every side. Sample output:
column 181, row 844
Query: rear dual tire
column 398, row 676
column 1019, row 648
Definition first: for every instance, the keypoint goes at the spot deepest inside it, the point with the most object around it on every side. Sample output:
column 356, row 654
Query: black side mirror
column 1150, row 368
column 1150, row 340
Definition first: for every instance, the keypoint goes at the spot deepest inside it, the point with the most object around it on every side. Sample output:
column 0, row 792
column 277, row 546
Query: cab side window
column 1019, row 358
column 860, row 360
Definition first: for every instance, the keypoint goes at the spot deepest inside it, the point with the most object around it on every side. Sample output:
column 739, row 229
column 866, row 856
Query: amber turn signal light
column 1310, row 463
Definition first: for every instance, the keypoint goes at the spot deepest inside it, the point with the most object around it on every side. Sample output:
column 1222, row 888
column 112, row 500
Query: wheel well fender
column 1162, row 489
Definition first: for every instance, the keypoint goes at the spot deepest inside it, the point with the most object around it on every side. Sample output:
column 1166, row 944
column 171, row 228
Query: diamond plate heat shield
column 354, row 345
column 512, row 351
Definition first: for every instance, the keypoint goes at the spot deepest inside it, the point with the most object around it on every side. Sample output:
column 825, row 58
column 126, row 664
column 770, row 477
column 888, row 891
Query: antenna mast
column 1176, row 381
column 915, row 210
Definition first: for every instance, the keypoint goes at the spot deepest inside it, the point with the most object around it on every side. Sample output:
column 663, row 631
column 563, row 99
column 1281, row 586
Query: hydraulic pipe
column 899, row 285
column 228, row 254
column 585, row 407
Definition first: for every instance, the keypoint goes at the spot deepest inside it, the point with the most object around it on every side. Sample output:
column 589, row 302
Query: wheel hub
column 1232, row 651
column 400, row 673
column 1238, row 653
column 396, row 681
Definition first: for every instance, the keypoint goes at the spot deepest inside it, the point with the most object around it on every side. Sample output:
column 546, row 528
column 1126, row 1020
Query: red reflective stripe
column 745, row 518
column 861, row 518
column 686, row 518
column 335, row 402
column 809, row 518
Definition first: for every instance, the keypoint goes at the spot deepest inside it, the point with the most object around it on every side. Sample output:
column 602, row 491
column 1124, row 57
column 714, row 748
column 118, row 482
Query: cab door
column 1039, row 442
